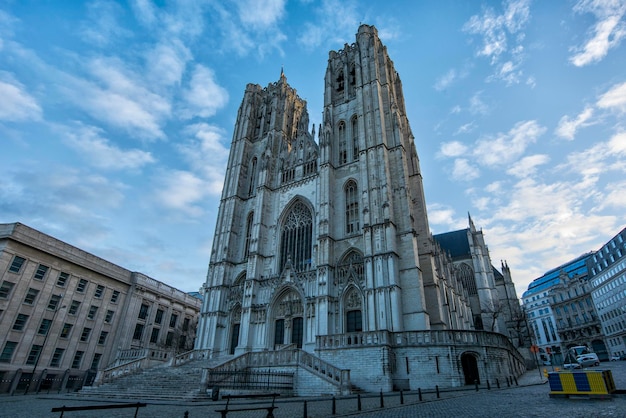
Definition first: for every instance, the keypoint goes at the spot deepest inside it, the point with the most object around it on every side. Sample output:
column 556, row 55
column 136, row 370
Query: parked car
column 571, row 365
column 615, row 357
column 587, row 360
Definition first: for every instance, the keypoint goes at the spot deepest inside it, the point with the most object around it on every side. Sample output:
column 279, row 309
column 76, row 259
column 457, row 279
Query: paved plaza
column 529, row 398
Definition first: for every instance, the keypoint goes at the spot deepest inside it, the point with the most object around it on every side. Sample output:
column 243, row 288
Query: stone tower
column 315, row 241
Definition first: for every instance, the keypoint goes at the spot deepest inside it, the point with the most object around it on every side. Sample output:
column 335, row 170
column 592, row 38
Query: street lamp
column 43, row 346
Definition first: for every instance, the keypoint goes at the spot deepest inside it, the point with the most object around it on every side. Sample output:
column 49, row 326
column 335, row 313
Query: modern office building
column 65, row 313
column 607, row 270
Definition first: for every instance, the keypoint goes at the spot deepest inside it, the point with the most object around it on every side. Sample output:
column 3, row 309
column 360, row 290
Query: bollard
column 334, row 406
column 437, row 390
column 358, row 401
column 515, row 381
column 476, row 384
column 305, row 412
column 401, row 397
column 508, row 384
column 186, row 414
column 382, row 402
column 488, row 385
column 419, row 392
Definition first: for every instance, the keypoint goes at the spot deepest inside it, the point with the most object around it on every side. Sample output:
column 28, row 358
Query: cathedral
column 323, row 262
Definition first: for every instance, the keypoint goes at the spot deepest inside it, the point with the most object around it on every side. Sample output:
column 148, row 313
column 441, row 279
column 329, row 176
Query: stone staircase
column 156, row 383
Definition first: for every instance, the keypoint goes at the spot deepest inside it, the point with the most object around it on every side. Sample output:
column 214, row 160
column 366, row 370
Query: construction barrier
column 594, row 383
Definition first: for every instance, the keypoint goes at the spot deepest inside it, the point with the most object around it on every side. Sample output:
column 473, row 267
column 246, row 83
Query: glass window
column 96, row 361
column 20, row 322
column 35, row 350
column 354, row 321
column 31, row 295
column 143, row 311
column 7, row 352
column 82, row 286
column 138, row 332
column 54, row 302
column 62, row 279
column 173, row 320
column 78, row 358
column 169, row 339
column 99, row 291
column 41, row 272
column 158, row 318
column 352, row 208
column 16, row 264
column 85, row 334
column 56, row 357
column 74, row 307
column 67, row 329
column 109, row 316
column 296, row 238
column 186, row 324
column 44, row 326
column 115, row 296
column 5, row 289
column 92, row 312
column 154, row 337
column 103, row 337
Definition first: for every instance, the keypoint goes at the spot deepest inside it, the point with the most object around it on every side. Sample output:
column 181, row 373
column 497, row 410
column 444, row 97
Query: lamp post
column 43, row 346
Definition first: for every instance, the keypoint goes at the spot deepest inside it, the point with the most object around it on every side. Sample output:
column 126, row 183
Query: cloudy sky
column 116, row 117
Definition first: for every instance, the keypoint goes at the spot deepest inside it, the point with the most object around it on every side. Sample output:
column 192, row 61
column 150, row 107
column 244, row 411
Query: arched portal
column 235, row 327
column 470, row 368
column 288, row 319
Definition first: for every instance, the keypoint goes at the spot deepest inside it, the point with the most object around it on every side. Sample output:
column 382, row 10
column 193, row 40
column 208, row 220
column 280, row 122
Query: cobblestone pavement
column 530, row 398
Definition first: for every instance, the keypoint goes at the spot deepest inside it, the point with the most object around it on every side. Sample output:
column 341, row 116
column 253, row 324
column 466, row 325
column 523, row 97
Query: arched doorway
column 288, row 320
column 470, row 368
column 235, row 327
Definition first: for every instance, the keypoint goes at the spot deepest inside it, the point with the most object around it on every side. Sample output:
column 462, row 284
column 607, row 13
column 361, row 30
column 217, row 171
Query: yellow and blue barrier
column 586, row 382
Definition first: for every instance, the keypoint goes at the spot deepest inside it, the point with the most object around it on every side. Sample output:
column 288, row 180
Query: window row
column 10, row 347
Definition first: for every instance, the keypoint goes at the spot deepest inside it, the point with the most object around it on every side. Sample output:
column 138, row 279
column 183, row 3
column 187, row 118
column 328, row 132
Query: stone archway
column 469, row 362
column 288, row 320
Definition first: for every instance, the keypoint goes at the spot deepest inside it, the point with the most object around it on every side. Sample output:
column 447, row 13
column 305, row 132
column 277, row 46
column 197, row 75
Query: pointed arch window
column 343, row 146
column 252, row 180
column 352, row 208
column 466, row 274
column 296, row 238
column 355, row 139
column 246, row 250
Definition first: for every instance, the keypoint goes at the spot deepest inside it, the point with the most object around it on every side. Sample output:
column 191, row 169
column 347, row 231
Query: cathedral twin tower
column 316, row 239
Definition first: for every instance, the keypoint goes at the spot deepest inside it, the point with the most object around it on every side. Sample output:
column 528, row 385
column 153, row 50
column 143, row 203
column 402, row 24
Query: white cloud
column 102, row 26
column 453, row 149
column 464, row 170
column 466, row 128
column 144, row 11
column 182, row 191
column 204, row 97
column 445, row 80
column 567, row 127
column 87, row 141
column 477, row 106
column 607, row 33
column 440, row 215
column 16, row 104
column 261, row 13
column 166, row 62
column 615, row 98
column 507, row 147
column 329, row 26
column 527, row 166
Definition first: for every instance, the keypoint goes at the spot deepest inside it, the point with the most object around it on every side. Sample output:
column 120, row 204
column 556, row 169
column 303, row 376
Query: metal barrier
column 594, row 383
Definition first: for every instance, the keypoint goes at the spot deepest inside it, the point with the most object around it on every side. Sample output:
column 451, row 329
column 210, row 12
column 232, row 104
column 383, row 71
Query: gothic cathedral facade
column 330, row 237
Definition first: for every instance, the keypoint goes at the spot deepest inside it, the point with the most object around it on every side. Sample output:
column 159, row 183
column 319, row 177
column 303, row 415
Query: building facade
column 607, row 270
column 325, row 246
column 65, row 313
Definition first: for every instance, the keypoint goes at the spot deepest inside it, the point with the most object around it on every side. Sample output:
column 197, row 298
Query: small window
column 154, row 337
column 173, row 320
column 158, row 318
column 56, row 357
column 143, row 311
column 16, row 264
column 40, row 274
column 92, row 312
column 186, row 324
column 96, row 361
column 138, row 332
column 44, row 326
column 20, row 322
column 35, row 351
column 115, row 296
column 85, row 334
column 103, row 337
column 54, row 302
column 67, row 329
column 31, row 295
column 169, row 339
column 82, row 286
column 62, row 279
column 99, row 292
column 7, row 352
column 78, row 359
column 109, row 316
column 5, row 289
column 74, row 307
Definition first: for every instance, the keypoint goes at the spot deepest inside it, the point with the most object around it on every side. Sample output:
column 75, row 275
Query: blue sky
column 116, row 117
